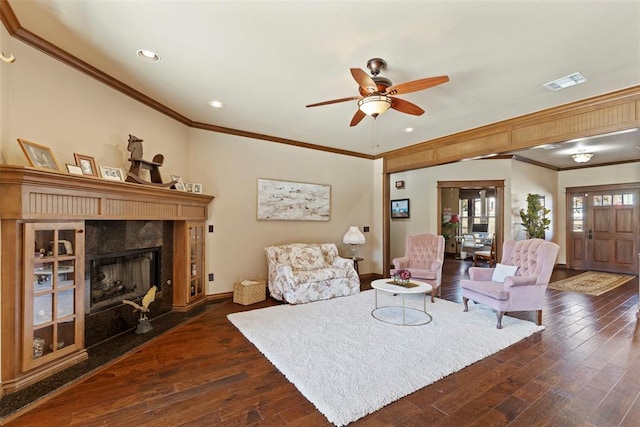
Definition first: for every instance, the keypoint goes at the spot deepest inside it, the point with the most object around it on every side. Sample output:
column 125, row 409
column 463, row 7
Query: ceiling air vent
column 565, row 82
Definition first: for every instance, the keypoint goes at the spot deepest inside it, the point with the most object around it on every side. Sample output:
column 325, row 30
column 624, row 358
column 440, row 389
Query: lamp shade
column 353, row 236
column 374, row 105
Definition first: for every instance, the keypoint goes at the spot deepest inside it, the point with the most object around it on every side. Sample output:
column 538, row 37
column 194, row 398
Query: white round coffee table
column 416, row 287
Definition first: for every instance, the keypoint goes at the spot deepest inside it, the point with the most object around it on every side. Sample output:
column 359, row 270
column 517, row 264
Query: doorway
column 475, row 202
column 603, row 230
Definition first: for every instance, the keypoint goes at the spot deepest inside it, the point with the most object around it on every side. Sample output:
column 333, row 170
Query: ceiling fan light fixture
column 374, row 105
column 582, row 157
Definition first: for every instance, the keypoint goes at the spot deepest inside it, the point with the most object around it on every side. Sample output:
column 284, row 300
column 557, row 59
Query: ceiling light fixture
column 582, row 157
column 565, row 82
column 216, row 104
column 408, row 130
column 148, row 55
column 374, row 105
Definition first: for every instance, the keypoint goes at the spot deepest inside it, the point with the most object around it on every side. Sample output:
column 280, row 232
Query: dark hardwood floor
column 583, row 370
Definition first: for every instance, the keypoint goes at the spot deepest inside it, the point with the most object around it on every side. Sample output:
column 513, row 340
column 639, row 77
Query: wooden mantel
column 28, row 193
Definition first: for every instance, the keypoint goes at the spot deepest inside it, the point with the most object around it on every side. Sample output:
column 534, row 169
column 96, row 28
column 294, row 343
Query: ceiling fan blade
column 406, row 107
column 335, row 101
column 363, row 80
column 357, row 118
column 416, row 85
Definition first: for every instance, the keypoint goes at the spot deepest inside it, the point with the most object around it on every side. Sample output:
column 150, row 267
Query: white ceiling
column 266, row 60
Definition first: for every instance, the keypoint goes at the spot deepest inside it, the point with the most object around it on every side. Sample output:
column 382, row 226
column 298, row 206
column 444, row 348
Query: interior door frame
column 569, row 233
column 480, row 185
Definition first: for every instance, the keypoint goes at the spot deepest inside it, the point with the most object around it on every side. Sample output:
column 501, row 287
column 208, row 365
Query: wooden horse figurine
column 138, row 165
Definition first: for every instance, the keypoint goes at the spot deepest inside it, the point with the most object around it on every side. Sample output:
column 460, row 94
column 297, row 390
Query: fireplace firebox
column 112, row 277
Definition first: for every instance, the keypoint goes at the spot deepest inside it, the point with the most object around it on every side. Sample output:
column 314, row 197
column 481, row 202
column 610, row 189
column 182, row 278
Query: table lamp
column 353, row 237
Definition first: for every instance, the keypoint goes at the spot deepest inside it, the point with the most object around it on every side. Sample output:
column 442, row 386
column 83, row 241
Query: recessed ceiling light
column 409, row 130
column 565, row 82
column 216, row 104
column 148, row 55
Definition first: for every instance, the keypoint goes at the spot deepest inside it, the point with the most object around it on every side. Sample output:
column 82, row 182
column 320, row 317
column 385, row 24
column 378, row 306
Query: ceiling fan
column 377, row 94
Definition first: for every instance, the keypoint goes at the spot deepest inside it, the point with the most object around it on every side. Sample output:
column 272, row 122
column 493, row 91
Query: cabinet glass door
column 196, row 247
column 53, row 303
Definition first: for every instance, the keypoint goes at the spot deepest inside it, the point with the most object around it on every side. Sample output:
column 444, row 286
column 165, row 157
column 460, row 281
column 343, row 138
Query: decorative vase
column 38, row 347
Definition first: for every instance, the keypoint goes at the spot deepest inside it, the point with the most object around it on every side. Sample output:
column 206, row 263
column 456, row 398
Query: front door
column 603, row 228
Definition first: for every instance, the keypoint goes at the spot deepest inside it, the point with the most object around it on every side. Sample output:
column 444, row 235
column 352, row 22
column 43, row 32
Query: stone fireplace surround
column 113, row 237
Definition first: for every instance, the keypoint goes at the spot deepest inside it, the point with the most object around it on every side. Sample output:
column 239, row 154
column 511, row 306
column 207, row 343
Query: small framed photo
column 74, row 169
column 86, row 163
column 188, row 187
column 111, row 173
column 179, row 183
column 196, row 188
column 38, row 155
column 400, row 208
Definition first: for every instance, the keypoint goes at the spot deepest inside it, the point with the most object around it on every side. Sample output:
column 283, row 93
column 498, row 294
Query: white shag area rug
column 349, row 364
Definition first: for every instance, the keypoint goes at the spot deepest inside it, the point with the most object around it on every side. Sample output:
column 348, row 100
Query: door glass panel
column 597, row 200
column 577, row 214
column 66, row 274
column 627, row 199
column 606, row 200
column 617, row 199
column 65, row 302
column 42, row 276
column 42, row 309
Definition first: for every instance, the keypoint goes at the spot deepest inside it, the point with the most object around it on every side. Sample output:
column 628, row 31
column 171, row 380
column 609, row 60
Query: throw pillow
column 306, row 258
column 503, row 271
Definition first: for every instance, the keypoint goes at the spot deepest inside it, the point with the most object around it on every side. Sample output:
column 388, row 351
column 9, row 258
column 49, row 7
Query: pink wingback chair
column 424, row 258
column 525, row 291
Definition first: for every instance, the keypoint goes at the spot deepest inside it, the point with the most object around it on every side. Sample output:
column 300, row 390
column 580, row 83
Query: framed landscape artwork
column 283, row 200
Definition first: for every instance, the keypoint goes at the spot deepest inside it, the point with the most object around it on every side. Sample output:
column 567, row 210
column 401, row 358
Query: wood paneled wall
column 606, row 113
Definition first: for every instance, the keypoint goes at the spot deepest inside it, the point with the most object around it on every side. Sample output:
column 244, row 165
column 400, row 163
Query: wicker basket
column 247, row 292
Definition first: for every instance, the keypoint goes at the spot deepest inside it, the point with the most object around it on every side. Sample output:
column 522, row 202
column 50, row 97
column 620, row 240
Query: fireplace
column 123, row 259
column 110, row 278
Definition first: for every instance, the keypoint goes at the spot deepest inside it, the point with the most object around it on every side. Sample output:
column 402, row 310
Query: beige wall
column 529, row 179
column 421, row 188
column 229, row 167
column 57, row 106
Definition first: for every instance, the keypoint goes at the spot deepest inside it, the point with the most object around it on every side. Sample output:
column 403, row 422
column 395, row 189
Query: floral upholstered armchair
column 305, row 272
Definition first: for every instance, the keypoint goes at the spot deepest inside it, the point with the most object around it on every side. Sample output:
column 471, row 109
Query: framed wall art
column 87, row 164
column 111, row 173
column 400, row 208
column 283, row 200
column 38, row 155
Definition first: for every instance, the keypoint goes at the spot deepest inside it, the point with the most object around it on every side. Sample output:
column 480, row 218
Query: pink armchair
column 424, row 258
column 524, row 291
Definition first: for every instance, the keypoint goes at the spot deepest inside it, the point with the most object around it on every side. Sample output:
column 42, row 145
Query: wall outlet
column 211, row 230
column 211, row 277
column 365, row 228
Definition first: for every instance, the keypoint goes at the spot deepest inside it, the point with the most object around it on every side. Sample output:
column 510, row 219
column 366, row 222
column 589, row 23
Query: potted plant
column 534, row 219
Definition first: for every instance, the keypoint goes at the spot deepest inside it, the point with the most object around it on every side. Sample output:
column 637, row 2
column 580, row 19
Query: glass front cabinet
column 189, row 275
column 53, row 292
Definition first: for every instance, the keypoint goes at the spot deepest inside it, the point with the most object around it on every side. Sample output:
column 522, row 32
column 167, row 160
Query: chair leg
column 500, row 314
column 465, row 300
column 433, row 294
column 539, row 317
